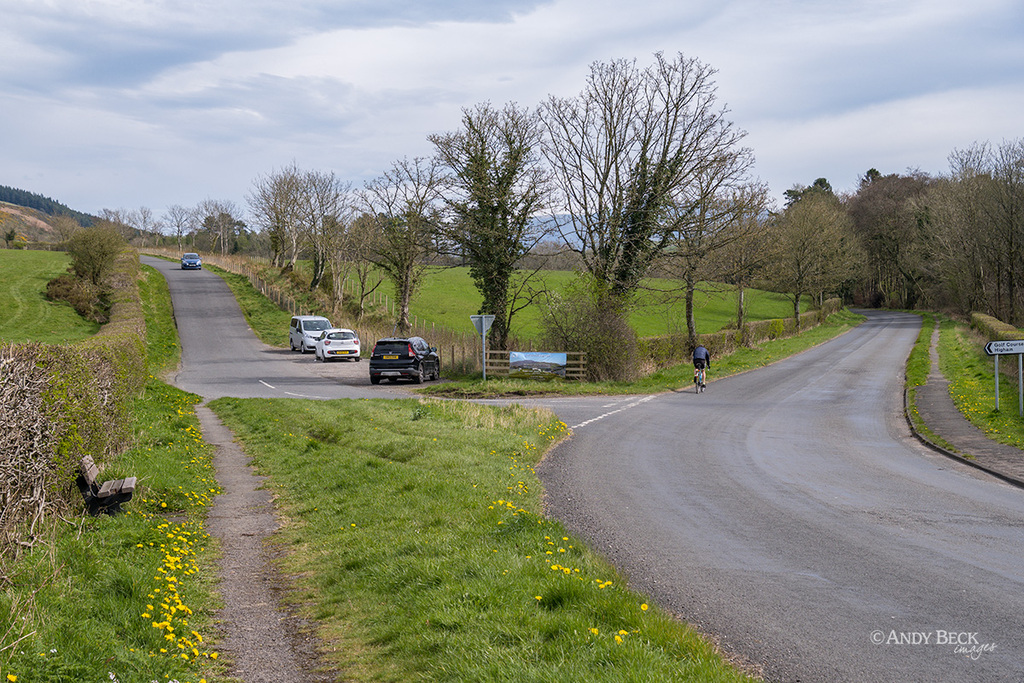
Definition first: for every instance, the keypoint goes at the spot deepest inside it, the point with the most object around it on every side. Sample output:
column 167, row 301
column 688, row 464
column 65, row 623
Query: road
column 789, row 513
column 786, row 512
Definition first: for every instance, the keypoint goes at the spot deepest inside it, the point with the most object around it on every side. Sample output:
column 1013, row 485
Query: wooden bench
column 106, row 497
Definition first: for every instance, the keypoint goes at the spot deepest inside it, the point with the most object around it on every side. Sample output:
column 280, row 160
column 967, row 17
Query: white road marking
column 269, row 386
column 612, row 412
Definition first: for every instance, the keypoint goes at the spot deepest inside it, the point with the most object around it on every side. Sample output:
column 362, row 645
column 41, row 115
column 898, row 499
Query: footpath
column 973, row 447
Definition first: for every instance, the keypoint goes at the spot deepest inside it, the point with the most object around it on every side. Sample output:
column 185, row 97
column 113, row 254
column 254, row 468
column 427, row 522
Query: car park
column 337, row 343
column 304, row 330
column 191, row 261
column 397, row 358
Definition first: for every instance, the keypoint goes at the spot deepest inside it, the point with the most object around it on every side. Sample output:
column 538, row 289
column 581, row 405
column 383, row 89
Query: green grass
column 96, row 599
column 416, row 542
column 448, row 297
column 26, row 314
column 971, row 374
column 668, row 379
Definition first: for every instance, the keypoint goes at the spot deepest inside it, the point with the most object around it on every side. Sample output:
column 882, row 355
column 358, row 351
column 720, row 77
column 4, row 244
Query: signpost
column 482, row 323
column 1004, row 348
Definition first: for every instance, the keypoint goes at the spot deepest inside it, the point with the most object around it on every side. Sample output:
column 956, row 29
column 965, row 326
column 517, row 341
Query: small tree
column 94, row 250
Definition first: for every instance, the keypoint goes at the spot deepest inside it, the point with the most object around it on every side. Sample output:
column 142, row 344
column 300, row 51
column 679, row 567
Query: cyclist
column 701, row 360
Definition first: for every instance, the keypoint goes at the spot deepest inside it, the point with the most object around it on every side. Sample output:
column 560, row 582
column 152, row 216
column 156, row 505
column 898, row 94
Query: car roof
column 340, row 329
column 399, row 339
column 308, row 317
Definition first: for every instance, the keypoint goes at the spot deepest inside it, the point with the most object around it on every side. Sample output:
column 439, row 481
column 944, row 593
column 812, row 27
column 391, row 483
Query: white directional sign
column 1003, row 348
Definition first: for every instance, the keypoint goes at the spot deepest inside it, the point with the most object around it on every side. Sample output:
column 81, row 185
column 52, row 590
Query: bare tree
column 744, row 259
column 326, row 211
column 623, row 150
column 707, row 215
column 496, row 187
column 220, row 222
column 64, row 224
column 181, row 221
column 404, row 205
column 360, row 249
column 275, row 204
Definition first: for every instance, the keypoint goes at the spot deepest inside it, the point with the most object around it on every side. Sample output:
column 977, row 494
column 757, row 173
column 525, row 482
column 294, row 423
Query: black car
column 408, row 357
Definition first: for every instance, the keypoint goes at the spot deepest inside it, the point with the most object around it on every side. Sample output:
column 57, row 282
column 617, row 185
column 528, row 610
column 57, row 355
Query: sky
column 122, row 104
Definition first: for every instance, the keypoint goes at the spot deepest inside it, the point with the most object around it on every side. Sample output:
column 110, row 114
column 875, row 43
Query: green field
column 26, row 315
column 447, row 297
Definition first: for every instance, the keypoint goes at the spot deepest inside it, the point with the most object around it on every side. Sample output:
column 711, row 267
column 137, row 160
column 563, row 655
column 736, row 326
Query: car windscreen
column 341, row 335
column 191, row 256
column 315, row 325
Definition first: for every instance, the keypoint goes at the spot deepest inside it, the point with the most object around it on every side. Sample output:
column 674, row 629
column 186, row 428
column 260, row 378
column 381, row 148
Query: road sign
column 1005, row 347
column 482, row 323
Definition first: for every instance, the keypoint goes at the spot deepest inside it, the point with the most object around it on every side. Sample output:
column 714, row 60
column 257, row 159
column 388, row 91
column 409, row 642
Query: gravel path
column 262, row 642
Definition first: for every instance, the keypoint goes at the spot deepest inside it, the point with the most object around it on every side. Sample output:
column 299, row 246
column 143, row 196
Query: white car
column 305, row 330
column 338, row 343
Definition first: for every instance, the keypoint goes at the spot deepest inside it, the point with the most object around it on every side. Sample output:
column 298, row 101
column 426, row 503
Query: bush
column 93, row 252
column 583, row 320
column 85, row 297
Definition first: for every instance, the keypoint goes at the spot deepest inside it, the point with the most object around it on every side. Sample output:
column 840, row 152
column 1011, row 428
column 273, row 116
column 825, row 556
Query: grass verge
column 668, row 379
column 125, row 598
column 971, row 375
column 416, row 541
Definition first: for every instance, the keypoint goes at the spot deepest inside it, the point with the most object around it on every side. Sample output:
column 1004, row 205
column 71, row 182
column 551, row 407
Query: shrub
column 85, row 297
column 583, row 320
column 93, row 252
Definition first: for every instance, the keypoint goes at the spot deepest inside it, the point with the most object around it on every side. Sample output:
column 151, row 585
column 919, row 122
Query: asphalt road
column 786, row 512
column 789, row 513
column 220, row 355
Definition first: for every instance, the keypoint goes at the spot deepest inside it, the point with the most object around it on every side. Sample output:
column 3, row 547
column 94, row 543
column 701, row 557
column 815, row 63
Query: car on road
column 404, row 358
column 337, row 343
column 304, row 330
column 191, row 261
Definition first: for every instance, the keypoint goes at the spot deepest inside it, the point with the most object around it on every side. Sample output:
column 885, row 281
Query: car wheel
column 374, row 380
column 359, row 359
column 418, row 377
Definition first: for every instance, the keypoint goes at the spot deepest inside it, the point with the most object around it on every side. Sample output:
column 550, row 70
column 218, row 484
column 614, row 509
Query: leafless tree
column 220, row 222
column 623, row 149
column 275, row 204
column 181, row 221
column 404, row 204
column 326, row 211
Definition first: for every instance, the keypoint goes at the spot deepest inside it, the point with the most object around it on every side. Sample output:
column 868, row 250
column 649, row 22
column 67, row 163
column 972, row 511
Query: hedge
column 665, row 350
column 994, row 329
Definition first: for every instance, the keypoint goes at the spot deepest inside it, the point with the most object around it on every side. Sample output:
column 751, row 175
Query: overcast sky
column 129, row 103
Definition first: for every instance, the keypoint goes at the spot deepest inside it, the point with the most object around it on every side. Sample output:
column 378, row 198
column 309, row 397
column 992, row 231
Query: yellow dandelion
column 644, row 607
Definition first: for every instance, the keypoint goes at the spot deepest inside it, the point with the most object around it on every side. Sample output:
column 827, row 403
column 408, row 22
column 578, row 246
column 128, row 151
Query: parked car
column 304, row 331
column 337, row 343
column 191, row 261
column 404, row 357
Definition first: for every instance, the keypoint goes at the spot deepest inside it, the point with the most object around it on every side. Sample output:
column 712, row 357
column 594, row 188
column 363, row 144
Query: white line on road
column 612, row 412
column 269, row 386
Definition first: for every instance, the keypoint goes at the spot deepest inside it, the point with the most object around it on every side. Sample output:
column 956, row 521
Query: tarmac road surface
column 789, row 513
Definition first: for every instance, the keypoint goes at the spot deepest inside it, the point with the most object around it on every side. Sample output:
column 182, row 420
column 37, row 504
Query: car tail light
column 411, row 352
column 327, row 342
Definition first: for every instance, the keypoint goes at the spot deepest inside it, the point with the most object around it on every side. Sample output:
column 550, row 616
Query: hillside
column 29, row 223
column 44, row 205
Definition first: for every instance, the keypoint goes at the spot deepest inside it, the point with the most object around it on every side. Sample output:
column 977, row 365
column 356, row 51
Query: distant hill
column 50, row 207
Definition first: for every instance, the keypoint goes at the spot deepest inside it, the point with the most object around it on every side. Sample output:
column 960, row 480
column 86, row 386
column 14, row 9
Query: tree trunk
column 741, row 322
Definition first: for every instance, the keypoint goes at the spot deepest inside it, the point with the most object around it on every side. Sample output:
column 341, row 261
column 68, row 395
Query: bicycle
column 699, row 379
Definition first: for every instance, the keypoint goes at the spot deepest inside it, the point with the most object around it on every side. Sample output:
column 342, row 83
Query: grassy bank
column 26, row 314
column 416, row 542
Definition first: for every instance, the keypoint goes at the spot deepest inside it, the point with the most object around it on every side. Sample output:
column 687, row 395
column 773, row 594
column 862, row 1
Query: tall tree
column 404, row 205
column 622, row 150
column 275, row 204
column 891, row 227
column 326, row 211
column 815, row 249
column 496, row 187
column 221, row 223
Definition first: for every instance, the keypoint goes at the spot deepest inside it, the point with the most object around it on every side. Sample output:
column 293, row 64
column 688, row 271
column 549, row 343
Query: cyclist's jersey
column 701, row 356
